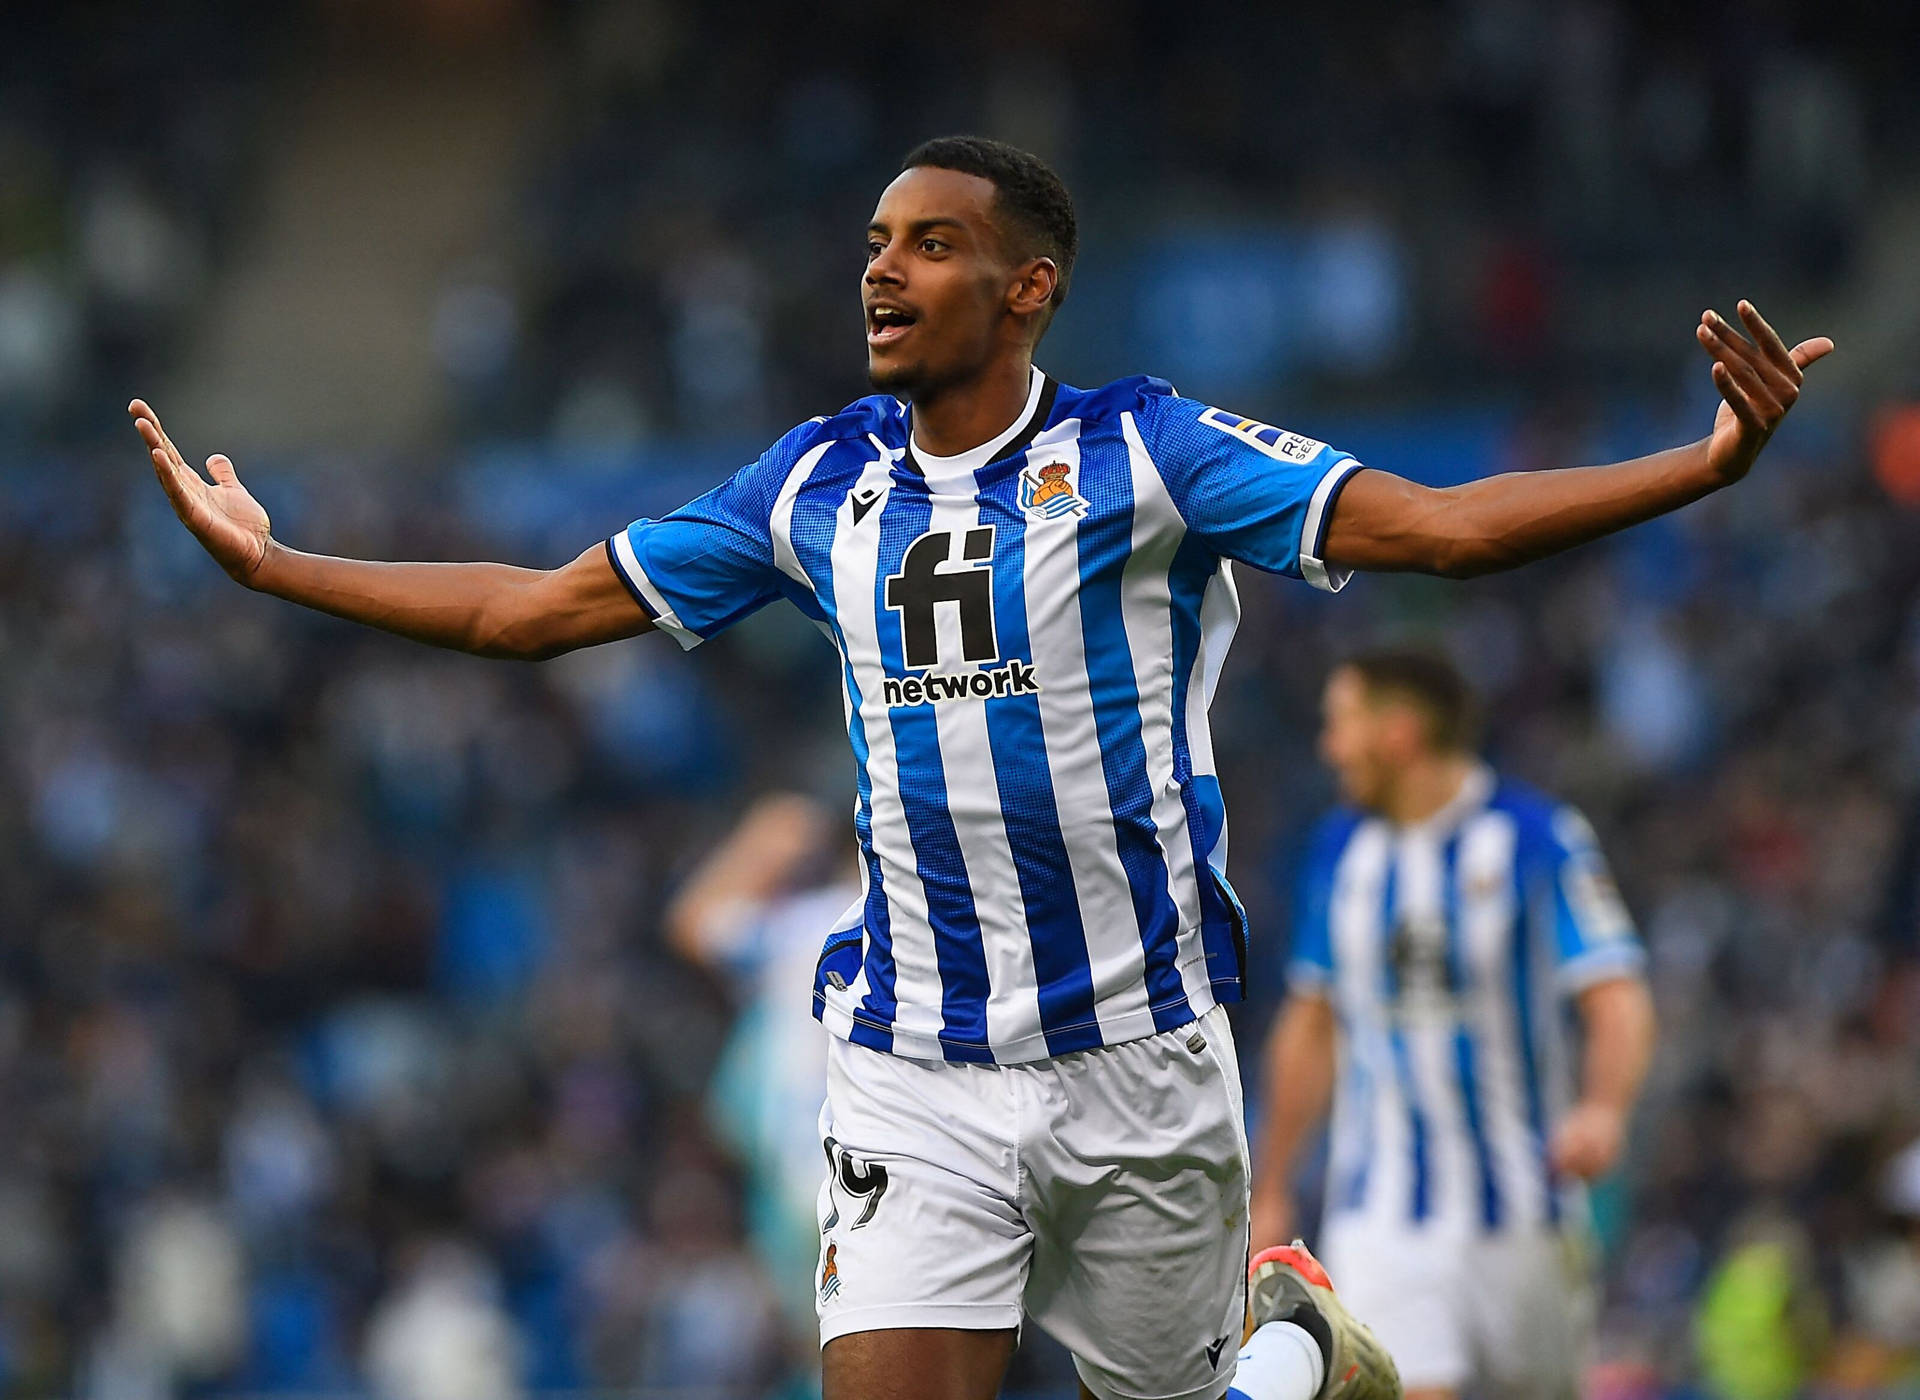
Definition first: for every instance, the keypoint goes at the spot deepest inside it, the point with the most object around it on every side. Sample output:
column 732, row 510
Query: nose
column 883, row 269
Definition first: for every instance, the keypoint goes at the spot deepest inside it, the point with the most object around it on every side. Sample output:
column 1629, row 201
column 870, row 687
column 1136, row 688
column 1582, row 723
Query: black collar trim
column 1020, row 442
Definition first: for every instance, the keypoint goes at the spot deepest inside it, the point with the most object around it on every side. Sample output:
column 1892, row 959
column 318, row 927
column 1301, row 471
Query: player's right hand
column 1588, row 1141
column 222, row 514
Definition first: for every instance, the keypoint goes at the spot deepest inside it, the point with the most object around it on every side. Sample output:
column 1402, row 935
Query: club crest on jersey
column 1046, row 492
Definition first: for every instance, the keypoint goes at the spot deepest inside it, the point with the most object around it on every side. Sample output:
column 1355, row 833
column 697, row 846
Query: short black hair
column 1030, row 198
column 1428, row 680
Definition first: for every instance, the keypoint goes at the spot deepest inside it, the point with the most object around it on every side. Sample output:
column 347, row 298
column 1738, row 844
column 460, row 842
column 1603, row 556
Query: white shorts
column 1504, row 1315
column 1102, row 1193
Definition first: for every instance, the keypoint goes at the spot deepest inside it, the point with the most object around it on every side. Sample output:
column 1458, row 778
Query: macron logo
column 1014, row 678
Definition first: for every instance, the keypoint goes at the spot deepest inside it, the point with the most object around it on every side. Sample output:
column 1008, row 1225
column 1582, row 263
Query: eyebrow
column 920, row 226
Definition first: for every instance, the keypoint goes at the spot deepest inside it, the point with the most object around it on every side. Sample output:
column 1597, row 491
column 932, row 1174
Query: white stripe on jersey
column 1373, row 1137
column 1219, row 620
column 1146, row 600
column 1487, row 910
column 780, row 524
column 1453, row 1176
column 917, row 988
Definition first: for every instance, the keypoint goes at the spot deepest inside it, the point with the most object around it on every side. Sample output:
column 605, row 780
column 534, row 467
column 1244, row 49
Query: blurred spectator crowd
column 1307, row 197
column 126, row 139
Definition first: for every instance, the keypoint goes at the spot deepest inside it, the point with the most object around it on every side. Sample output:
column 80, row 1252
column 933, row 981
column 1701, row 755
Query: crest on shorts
column 1046, row 492
column 830, row 1274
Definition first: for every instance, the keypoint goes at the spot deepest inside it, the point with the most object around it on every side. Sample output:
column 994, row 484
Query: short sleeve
column 1252, row 492
column 1593, row 934
column 710, row 563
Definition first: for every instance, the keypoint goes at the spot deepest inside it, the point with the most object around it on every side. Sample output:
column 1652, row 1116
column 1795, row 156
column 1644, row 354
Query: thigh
column 1533, row 1316
column 1138, row 1206
column 918, row 1228
column 916, row 1363
column 1407, row 1286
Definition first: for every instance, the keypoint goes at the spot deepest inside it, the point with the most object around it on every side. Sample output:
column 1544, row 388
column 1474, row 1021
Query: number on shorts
column 864, row 1181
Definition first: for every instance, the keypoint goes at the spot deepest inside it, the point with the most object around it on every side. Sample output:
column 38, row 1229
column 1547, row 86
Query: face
column 1365, row 739
column 942, row 296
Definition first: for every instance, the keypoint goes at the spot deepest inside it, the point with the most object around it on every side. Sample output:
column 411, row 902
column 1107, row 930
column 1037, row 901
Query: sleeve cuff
column 627, row 565
column 1602, row 964
column 1313, row 530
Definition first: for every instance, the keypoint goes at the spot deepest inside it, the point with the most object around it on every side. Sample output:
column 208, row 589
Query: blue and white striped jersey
column 1030, row 635
column 1449, row 948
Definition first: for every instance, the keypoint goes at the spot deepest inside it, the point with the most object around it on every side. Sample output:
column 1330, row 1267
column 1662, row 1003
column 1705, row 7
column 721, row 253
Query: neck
column 959, row 417
column 1426, row 785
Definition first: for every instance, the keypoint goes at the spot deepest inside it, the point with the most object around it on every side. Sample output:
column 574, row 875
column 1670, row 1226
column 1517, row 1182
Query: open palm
column 1758, row 380
column 222, row 514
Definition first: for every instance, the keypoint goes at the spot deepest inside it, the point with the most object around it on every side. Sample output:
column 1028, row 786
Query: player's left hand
column 1758, row 380
column 1588, row 1140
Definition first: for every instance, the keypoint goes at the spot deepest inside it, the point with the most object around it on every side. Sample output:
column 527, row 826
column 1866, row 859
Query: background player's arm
column 1384, row 522
column 1617, row 1016
column 487, row 609
column 1299, row 1082
column 760, row 858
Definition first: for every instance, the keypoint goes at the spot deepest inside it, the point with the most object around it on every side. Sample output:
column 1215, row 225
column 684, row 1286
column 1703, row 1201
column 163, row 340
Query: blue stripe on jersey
column 1523, row 1002
column 815, row 519
column 1106, row 542
column 1465, row 1052
column 1062, row 968
column 960, row 951
column 1402, row 1061
column 1192, row 570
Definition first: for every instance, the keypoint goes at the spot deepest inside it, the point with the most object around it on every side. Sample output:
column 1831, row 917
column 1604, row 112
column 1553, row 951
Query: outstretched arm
column 486, row 609
column 1386, row 523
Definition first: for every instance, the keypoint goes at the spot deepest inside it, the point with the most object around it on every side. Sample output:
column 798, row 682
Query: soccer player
column 1033, row 1105
column 1448, row 916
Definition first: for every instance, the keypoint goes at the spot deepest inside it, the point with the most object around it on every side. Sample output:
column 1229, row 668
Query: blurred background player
column 751, row 913
column 1449, row 917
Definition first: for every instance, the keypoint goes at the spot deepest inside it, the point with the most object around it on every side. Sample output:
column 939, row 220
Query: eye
column 874, row 248
column 932, row 245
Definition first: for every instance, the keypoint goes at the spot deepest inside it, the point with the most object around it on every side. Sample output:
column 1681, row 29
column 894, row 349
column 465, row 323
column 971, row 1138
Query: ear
column 1404, row 730
column 1033, row 286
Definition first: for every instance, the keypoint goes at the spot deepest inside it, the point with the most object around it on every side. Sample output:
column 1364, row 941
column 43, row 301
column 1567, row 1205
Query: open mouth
column 886, row 324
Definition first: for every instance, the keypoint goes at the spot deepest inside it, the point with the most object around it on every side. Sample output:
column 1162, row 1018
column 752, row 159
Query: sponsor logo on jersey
column 1014, row 678
column 932, row 578
column 1046, row 492
column 1277, row 443
column 1214, row 1348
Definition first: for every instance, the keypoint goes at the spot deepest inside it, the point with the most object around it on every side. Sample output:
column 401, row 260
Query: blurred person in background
column 442, row 1334
column 752, row 913
column 975, row 963
column 1448, row 916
